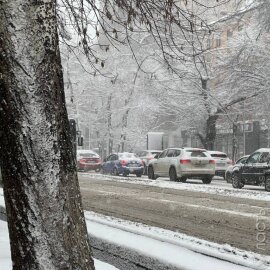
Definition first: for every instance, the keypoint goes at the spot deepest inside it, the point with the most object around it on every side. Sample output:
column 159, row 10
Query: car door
column 249, row 169
column 105, row 165
column 111, row 163
column 167, row 162
column 159, row 163
column 260, row 167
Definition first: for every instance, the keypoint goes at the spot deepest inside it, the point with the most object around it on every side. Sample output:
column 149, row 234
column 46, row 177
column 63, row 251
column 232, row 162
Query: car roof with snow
column 263, row 150
column 85, row 151
column 216, row 152
column 194, row 149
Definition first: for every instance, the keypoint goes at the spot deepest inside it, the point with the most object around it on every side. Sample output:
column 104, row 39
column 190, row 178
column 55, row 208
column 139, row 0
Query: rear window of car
column 87, row 155
column 196, row 153
column 219, row 155
column 127, row 155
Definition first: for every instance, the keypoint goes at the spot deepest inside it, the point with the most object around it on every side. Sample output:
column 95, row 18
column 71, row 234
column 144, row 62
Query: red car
column 88, row 160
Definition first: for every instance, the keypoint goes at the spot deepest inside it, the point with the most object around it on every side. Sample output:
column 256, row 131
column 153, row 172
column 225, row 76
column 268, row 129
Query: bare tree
column 44, row 209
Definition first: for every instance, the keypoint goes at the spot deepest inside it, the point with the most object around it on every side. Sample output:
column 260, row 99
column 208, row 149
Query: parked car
column 239, row 162
column 122, row 163
column 88, row 160
column 146, row 156
column 182, row 163
column 222, row 162
column 254, row 171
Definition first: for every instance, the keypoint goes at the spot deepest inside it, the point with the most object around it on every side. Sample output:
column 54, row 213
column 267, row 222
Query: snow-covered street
column 218, row 185
column 194, row 209
column 153, row 246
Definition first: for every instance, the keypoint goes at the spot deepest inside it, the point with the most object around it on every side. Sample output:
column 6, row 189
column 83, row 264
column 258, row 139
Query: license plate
column 221, row 164
column 198, row 163
column 132, row 165
column 91, row 162
column 131, row 170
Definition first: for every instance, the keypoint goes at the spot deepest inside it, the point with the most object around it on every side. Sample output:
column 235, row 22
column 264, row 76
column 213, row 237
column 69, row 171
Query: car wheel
column 207, row 179
column 115, row 172
column 183, row 179
column 267, row 183
column 236, row 181
column 139, row 175
column 172, row 174
column 151, row 173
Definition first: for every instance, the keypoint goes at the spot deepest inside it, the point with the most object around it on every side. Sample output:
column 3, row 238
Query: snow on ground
column 171, row 248
column 5, row 259
column 2, row 200
column 218, row 187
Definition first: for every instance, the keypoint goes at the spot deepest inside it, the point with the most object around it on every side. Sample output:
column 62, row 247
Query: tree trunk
column 208, row 141
column 109, row 125
column 234, row 142
column 211, row 132
column 43, row 202
column 123, row 136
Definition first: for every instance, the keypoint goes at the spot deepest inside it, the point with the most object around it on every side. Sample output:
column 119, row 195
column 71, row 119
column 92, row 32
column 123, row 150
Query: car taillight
column 123, row 162
column 212, row 161
column 98, row 161
column 149, row 157
column 185, row 161
column 142, row 163
column 82, row 160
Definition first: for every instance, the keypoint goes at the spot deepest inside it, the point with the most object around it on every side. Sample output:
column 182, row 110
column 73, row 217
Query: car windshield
column 155, row 153
column 196, row 153
column 219, row 155
column 241, row 160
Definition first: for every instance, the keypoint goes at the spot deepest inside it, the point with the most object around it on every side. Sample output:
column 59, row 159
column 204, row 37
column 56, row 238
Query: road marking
column 250, row 215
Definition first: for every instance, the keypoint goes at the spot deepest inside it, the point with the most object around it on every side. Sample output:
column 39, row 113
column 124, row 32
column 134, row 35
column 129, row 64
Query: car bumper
column 196, row 173
column 131, row 170
column 89, row 166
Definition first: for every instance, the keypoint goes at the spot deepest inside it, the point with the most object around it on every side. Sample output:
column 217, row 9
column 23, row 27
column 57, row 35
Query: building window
column 229, row 33
column 218, row 41
column 208, row 44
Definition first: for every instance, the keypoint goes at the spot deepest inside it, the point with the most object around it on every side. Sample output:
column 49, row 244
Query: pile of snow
column 5, row 258
column 172, row 248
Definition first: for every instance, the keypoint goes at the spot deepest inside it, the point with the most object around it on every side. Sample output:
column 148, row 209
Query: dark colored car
column 254, row 171
column 122, row 163
column 230, row 169
column 88, row 160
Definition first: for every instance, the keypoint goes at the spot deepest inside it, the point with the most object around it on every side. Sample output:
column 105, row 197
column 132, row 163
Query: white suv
column 222, row 162
column 182, row 163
